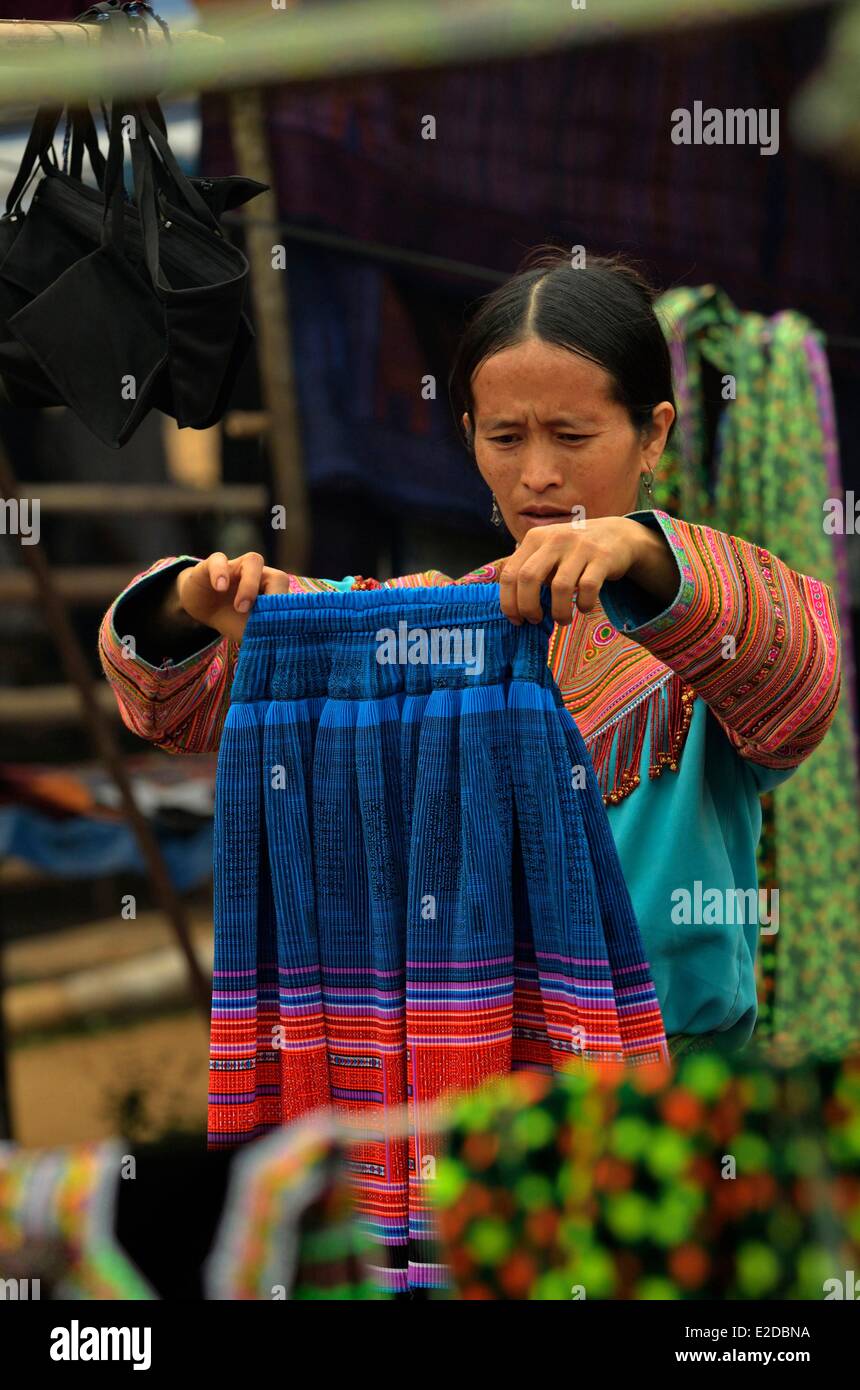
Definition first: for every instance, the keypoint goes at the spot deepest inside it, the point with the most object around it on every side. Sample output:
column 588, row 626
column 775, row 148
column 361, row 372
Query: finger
column 250, row 569
column 526, row 547
column 567, row 577
column 549, row 549
column 590, row 584
column 532, row 545
column 219, row 571
column 508, row 591
column 274, row 581
column 533, row 573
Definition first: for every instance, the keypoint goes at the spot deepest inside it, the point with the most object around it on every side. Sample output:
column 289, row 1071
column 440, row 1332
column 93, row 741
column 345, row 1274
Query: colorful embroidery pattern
column 57, row 1213
column 288, row 1230
column 616, row 690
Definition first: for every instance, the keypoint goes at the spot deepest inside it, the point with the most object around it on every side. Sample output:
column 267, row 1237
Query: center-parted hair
column 603, row 311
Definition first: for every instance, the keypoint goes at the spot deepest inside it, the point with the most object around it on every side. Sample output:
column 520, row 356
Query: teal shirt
column 701, row 825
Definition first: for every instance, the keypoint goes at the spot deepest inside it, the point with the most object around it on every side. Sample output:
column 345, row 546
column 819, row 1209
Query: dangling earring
column 648, row 484
column 495, row 514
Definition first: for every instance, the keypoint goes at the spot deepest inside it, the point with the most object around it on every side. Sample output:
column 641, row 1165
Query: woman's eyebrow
column 499, row 424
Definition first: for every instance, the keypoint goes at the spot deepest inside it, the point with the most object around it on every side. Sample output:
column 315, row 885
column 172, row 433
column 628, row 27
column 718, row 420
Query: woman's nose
column 541, row 466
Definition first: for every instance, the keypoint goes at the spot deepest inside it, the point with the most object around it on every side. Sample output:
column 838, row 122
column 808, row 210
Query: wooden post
column 106, row 745
column 272, row 322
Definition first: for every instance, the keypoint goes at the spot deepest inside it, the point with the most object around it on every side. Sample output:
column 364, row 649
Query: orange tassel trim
column 671, row 709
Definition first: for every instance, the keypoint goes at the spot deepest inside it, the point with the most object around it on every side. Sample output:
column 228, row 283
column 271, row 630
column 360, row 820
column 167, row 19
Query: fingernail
column 221, row 582
column 243, row 606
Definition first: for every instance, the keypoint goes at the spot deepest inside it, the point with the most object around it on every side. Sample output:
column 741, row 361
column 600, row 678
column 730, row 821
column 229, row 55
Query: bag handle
column 129, row 9
column 171, row 177
column 85, row 137
column 39, row 150
column 39, row 142
column 152, row 161
column 179, row 182
column 113, row 217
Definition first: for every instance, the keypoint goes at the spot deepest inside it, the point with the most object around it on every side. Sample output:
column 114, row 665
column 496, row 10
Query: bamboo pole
column 15, row 34
column 264, row 44
column 108, row 499
column 154, row 980
column 275, row 348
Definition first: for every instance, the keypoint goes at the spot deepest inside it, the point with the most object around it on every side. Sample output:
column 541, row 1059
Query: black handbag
column 22, row 383
column 116, row 307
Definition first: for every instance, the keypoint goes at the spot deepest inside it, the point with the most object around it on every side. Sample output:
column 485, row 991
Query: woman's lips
column 546, row 519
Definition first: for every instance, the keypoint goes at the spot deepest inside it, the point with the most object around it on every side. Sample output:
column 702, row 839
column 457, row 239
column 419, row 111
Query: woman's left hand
column 576, row 558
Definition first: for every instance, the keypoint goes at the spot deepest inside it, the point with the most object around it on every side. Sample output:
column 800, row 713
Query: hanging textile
column 344, row 160
column 57, row 1223
column 775, row 464
column 288, row 1228
column 416, row 887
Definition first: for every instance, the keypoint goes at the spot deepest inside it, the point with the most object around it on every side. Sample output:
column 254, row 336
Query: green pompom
column 489, row 1241
column 814, row 1266
column 705, row 1074
column 804, row 1156
column 671, row 1221
column 451, row 1178
column 654, row 1289
column 668, row 1153
column 595, row 1270
column 757, row 1269
column 532, row 1128
column 553, row 1287
column 753, row 1153
column 630, row 1137
column 628, row 1215
column 533, row 1192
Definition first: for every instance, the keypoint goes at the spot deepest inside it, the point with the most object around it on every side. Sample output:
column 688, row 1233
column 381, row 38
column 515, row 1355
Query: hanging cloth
column 775, row 466
column 57, row 1215
column 416, row 886
column 288, row 1228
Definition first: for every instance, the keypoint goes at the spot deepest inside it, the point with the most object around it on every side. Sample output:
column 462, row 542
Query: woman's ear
column 467, row 428
column 657, row 433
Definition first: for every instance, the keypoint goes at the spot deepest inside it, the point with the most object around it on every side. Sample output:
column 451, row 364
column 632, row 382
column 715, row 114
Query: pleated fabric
column 416, row 886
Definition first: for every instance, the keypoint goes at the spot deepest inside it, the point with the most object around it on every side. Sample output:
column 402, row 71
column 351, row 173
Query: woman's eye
column 509, row 438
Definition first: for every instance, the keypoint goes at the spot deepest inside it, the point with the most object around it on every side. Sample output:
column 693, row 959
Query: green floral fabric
column 751, row 458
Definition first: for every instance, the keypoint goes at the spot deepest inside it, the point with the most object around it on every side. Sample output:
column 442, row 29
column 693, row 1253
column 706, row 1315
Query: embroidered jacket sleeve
column 175, row 692
column 757, row 641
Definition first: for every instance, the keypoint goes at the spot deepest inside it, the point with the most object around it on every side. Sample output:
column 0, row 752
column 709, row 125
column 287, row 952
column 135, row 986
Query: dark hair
column 604, row 312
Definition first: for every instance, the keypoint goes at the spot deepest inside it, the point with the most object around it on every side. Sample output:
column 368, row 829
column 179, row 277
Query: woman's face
column 549, row 437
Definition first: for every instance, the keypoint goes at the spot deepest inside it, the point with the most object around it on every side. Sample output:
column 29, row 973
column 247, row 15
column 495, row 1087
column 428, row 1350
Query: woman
column 700, row 645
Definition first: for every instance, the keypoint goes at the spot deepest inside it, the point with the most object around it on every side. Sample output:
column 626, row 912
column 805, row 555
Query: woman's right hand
column 219, row 592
